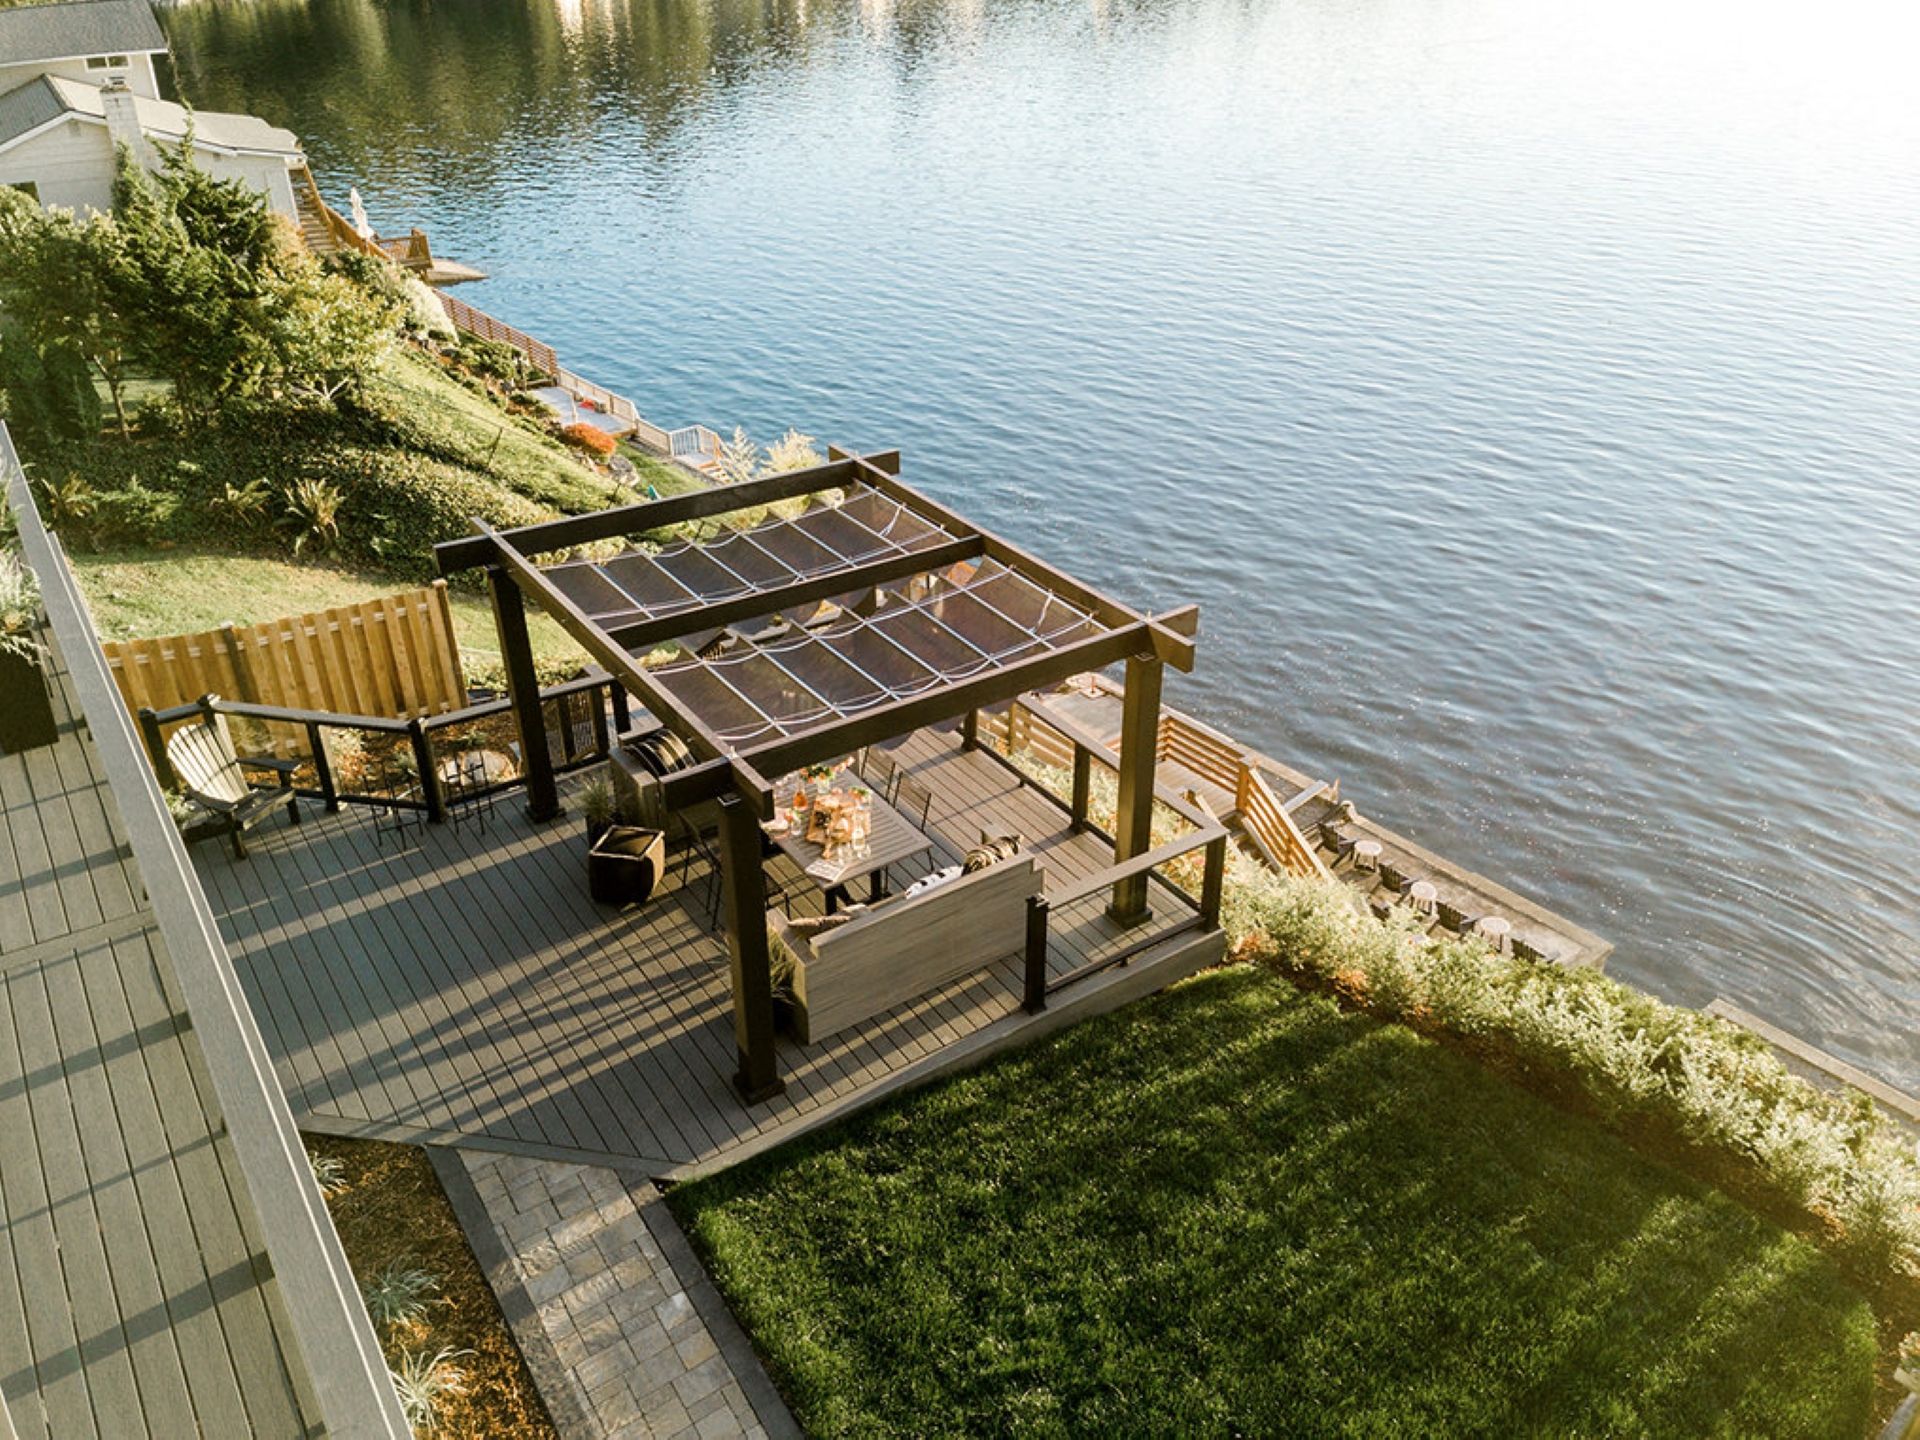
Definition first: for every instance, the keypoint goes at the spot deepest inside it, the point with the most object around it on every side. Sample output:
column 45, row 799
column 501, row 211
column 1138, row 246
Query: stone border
column 550, row 1377
column 714, row 1312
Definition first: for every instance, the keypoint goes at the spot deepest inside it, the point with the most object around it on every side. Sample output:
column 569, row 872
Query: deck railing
column 1169, row 866
column 431, row 764
column 1211, row 756
column 475, row 321
column 329, row 1323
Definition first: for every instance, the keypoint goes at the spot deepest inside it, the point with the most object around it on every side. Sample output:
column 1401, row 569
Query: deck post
column 1082, row 785
column 1213, row 883
column 1035, row 988
column 523, row 687
column 1133, row 825
column 970, row 730
column 745, row 913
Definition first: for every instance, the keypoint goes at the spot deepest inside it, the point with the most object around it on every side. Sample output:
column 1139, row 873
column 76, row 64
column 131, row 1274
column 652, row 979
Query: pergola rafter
column 880, row 612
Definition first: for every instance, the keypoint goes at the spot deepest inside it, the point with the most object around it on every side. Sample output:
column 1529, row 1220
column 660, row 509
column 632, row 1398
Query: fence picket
column 393, row 656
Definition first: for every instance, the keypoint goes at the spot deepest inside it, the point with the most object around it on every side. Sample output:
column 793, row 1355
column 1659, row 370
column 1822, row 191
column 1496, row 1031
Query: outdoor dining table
column 892, row 840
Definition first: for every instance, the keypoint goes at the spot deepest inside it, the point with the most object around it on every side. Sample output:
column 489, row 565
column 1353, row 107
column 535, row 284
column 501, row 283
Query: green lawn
column 1234, row 1209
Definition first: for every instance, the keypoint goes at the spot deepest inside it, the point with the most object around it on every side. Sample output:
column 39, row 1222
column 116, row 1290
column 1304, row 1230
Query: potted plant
column 625, row 863
column 596, row 804
column 26, row 704
column 783, row 967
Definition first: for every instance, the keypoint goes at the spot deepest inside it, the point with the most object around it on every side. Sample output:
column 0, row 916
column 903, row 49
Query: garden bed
column 1236, row 1208
column 393, row 1219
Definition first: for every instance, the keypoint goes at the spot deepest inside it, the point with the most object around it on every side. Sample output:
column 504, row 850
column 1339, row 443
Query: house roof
column 47, row 97
column 77, row 28
column 27, row 107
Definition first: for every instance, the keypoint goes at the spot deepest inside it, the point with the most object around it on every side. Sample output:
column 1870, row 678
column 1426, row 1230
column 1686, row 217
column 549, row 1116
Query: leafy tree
column 49, row 388
column 55, row 286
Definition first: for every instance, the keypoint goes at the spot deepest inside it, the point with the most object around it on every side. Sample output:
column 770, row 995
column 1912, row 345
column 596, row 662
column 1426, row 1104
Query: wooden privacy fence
column 394, row 657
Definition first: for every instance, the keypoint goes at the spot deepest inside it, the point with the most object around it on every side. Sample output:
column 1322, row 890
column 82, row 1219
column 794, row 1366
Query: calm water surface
column 1525, row 389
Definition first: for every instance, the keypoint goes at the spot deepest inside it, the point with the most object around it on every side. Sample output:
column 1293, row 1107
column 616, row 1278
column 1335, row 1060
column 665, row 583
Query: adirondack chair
column 214, row 776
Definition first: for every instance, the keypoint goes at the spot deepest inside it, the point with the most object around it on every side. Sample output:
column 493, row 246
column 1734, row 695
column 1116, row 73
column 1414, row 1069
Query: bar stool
column 1424, row 896
column 1495, row 930
column 1366, row 855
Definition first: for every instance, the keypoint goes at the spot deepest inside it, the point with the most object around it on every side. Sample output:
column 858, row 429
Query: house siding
column 70, row 165
column 139, row 74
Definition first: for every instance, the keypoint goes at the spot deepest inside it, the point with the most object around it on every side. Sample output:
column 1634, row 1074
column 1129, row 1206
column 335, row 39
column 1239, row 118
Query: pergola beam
column 1171, row 634
column 624, row 668
column 775, row 758
column 648, row 633
column 453, row 556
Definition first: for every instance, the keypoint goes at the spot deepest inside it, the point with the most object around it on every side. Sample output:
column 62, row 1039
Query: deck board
column 134, row 1294
column 472, row 987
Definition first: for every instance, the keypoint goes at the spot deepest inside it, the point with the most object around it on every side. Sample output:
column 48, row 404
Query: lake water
column 1525, row 389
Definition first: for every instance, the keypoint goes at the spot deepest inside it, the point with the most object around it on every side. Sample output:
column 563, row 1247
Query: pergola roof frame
column 723, row 766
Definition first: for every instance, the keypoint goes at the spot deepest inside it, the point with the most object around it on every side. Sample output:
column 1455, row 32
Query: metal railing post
column 1036, row 988
column 622, row 711
column 429, row 777
column 323, row 767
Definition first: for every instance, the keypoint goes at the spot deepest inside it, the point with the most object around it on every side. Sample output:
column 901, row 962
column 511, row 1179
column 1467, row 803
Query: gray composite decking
column 135, row 1294
column 460, row 983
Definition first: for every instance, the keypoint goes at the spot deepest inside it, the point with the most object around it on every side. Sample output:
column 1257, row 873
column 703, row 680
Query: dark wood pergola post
column 1139, row 741
column 523, row 687
column 745, row 896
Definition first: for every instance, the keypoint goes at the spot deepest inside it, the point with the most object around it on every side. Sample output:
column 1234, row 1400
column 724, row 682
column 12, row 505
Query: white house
column 77, row 79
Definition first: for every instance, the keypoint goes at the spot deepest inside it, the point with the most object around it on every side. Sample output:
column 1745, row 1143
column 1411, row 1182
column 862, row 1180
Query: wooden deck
column 135, row 1294
column 462, row 984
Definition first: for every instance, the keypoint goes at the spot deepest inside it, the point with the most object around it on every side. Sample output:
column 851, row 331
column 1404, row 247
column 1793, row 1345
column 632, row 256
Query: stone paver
column 643, row 1361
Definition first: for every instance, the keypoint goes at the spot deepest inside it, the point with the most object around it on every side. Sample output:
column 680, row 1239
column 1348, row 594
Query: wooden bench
column 902, row 948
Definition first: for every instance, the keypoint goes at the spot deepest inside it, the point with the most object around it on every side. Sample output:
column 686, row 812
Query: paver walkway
column 644, row 1344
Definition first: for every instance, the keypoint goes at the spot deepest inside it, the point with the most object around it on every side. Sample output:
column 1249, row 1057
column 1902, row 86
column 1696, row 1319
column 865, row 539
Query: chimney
column 123, row 120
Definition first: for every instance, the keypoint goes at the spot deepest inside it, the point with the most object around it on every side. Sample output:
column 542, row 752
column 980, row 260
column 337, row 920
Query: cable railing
column 430, row 764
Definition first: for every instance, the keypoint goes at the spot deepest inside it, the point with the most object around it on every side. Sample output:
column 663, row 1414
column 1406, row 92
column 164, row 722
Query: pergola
column 864, row 611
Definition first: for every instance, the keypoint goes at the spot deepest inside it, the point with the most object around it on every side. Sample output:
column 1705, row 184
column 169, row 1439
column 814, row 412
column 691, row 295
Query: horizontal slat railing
column 1271, row 828
column 475, row 321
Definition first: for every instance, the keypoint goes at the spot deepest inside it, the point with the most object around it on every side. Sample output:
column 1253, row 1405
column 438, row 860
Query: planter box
column 625, row 864
column 26, row 706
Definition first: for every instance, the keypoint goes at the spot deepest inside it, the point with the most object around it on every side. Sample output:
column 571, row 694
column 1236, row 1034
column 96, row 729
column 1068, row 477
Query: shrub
column 310, row 512
column 792, row 451
column 590, row 438
column 422, row 1380
column 397, row 1297
column 133, row 514
column 1635, row 1061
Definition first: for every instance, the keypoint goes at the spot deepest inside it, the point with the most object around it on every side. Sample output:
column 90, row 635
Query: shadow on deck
column 457, row 982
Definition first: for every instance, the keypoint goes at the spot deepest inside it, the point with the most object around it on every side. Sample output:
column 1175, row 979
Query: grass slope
column 1233, row 1208
column 415, row 459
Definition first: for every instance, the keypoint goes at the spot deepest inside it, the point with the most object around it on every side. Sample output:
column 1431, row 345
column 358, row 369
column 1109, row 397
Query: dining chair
column 877, row 768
